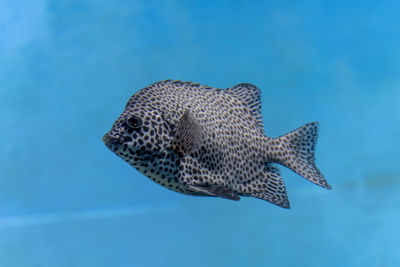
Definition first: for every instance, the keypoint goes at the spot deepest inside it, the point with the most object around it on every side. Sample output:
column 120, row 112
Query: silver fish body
column 202, row 141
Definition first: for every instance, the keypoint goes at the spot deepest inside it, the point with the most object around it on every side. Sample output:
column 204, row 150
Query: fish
column 203, row 141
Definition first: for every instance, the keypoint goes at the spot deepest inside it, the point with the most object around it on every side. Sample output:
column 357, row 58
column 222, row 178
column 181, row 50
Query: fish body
column 203, row 141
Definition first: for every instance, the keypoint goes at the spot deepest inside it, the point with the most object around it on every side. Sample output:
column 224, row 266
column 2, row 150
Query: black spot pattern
column 232, row 152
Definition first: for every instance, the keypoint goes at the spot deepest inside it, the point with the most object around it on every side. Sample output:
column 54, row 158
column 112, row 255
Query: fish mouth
column 112, row 141
column 115, row 142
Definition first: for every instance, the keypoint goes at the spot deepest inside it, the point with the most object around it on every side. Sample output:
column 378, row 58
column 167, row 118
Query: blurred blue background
column 68, row 68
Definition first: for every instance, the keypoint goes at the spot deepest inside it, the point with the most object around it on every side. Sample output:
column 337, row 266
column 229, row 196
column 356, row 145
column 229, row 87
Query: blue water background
column 68, row 67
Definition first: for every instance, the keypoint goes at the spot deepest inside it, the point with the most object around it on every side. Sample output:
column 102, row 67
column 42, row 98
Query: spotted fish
column 203, row 141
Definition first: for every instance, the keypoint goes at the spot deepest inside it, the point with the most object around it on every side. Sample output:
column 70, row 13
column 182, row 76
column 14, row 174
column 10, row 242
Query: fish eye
column 134, row 122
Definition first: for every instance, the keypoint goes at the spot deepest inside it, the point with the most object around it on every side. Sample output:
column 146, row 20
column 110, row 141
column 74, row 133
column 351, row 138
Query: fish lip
column 109, row 139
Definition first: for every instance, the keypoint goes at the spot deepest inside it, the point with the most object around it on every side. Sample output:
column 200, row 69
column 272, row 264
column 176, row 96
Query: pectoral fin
column 188, row 135
column 215, row 191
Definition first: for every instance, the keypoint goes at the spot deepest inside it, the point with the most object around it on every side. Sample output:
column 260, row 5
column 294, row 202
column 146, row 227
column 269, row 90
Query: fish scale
column 204, row 141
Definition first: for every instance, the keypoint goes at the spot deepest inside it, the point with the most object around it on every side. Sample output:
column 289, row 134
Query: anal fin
column 270, row 187
column 215, row 191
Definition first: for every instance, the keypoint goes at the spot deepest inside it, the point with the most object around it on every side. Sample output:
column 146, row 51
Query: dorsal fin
column 250, row 96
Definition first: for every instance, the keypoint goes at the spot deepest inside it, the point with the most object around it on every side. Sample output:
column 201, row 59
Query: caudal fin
column 297, row 153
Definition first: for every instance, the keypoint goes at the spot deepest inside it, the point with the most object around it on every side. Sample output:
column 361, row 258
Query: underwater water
column 68, row 68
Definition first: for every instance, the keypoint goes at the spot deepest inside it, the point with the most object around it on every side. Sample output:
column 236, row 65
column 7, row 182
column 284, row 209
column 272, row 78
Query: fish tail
column 295, row 150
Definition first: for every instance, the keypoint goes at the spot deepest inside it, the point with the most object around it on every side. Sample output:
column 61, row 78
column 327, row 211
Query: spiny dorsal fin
column 188, row 134
column 250, row 96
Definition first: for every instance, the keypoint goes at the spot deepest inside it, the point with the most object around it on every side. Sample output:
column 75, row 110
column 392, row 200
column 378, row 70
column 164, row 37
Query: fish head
column 138, row 135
